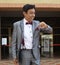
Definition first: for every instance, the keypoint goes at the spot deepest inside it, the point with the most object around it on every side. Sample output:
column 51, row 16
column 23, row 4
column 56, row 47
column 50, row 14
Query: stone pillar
column 0, row 38
column 9, row 31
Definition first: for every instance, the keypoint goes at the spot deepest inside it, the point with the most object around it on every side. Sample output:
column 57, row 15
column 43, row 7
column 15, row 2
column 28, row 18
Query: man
column 26, row 37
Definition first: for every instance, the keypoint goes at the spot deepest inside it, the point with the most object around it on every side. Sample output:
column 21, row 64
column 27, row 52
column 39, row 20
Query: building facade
column 11, row 11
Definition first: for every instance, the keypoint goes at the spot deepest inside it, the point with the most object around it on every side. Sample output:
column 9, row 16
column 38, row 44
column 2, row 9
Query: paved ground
column 44, row 61
column 50, row 61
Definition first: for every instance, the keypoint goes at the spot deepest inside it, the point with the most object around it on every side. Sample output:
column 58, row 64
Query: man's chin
column 32, row 19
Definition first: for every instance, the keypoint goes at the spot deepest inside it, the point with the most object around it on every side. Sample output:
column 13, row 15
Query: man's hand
column 43, row 25
column 15, row 61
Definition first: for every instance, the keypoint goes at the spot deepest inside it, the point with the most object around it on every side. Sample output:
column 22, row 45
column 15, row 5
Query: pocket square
column 37, row 28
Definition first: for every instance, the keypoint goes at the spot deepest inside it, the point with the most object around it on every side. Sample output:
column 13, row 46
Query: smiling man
column 25, row 38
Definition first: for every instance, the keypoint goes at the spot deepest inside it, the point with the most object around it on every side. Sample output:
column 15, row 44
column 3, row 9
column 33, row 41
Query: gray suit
column 18, row 34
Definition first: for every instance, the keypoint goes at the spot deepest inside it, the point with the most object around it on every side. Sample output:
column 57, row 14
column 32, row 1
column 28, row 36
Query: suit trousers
column 27, row 57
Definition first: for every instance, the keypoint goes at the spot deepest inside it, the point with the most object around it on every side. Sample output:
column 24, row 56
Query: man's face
column 30, row 14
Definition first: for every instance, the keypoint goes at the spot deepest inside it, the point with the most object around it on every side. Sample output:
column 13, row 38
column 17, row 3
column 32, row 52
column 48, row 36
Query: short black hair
column 27, row 7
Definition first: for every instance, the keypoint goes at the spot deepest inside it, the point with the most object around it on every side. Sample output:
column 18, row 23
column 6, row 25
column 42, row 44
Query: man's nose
column 33, row 15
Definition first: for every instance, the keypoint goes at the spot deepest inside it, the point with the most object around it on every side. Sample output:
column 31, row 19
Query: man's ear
column 24, row 13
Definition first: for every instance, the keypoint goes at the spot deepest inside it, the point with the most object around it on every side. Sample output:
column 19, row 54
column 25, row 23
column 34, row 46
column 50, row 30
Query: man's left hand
column 43, row 25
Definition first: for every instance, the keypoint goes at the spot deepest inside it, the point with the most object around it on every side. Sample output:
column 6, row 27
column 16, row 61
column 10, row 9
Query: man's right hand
column 15, row 61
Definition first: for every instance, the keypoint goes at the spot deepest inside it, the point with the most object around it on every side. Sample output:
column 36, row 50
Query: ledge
column 14, row 6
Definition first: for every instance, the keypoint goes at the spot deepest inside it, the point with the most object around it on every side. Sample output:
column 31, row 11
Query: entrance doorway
column 6, row 35
column 8, row 18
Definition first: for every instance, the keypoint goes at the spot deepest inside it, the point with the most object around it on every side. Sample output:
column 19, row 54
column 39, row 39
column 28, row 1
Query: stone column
column 9, row 31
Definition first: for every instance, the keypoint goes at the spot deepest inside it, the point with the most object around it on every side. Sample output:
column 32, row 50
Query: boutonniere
column 36, row 28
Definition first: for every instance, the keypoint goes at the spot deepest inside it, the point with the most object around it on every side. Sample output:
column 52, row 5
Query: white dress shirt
column 28, row 36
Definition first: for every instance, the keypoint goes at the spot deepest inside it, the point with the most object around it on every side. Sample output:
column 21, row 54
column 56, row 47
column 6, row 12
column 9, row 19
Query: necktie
column 29, row 23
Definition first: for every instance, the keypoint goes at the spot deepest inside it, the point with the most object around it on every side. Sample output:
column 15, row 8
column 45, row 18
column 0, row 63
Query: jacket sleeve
column 14, row 37
column 47, row 30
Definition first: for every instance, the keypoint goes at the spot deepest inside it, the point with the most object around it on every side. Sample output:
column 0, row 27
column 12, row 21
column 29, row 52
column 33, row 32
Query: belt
column 27, row 49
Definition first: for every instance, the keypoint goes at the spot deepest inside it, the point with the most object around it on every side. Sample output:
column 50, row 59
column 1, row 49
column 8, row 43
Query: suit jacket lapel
column 22, row 28
column 33, row 27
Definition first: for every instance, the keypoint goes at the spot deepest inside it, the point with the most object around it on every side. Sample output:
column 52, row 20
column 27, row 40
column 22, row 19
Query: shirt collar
column 25, row 21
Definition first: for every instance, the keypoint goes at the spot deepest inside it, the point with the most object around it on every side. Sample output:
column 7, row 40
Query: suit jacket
column 18, row 35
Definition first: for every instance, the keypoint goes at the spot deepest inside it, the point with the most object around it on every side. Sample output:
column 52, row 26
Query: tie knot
column 29, row 23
